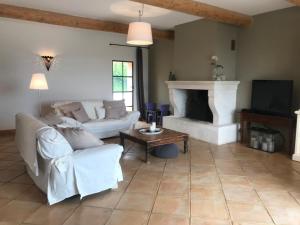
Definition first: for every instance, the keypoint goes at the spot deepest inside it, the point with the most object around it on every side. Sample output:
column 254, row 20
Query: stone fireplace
column 221, row 97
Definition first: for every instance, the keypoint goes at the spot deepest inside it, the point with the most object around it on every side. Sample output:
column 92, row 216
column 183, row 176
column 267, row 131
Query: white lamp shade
column 38, row 82
column 139, row 33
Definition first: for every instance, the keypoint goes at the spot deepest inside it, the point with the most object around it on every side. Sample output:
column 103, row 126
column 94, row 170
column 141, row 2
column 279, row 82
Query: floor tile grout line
column 156, row 194
column 261, row 201
column 290, row 194
column 218, row 174
column 114, row 208
column 73, row 211
column 265, row 207
column 10, row 181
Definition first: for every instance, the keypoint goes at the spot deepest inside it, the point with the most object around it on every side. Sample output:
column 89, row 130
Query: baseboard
column 296, row 157
column 7, row 132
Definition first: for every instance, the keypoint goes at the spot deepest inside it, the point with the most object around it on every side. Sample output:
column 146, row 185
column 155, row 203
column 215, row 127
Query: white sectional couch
column 98, row 125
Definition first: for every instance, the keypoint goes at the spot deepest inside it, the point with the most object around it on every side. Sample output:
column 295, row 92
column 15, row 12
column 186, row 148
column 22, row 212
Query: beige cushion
column 88, row 105
column 80, row 115
column 80, row 138
column 68, row 108
column 114, row 109
column 52, row 119
column 56, row 107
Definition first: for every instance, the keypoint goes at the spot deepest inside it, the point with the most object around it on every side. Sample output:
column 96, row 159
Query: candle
column 153, row 127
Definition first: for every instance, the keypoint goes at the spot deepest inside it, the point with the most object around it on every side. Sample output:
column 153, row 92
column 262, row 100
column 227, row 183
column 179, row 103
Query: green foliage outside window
column 120, row 73
column 122, row 82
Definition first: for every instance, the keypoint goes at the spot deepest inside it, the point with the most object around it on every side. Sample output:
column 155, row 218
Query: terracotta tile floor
column 210, row 185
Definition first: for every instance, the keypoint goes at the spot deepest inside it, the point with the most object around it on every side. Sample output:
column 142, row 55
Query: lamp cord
column 141, row 13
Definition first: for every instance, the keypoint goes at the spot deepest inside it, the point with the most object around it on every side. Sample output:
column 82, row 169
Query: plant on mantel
column 218, row 69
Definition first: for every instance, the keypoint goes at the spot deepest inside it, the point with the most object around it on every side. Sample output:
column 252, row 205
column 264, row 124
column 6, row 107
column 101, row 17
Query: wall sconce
column 48, row 60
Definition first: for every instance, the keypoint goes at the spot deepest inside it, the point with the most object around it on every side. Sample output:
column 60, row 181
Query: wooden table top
column 165, row 135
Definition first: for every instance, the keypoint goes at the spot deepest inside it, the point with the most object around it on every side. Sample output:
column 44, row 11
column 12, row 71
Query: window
column 123, row 82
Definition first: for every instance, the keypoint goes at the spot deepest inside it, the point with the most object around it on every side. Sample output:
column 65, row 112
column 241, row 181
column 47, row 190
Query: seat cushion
column 105, row 125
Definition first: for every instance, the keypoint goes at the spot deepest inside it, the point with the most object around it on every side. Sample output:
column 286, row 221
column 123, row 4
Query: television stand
column 247, row 117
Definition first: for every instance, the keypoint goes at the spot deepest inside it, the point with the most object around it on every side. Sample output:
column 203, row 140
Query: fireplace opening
column 197, row 107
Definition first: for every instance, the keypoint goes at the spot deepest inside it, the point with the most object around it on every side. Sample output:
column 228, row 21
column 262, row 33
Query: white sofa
column 61, row 172
column 98, row 125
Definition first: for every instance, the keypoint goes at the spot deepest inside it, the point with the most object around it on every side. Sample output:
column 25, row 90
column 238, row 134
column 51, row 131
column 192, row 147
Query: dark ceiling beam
column 295, row 2
column 41, row 16
column 196, row 8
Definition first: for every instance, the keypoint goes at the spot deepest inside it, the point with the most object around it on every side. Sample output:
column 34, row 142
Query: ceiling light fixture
column 140, row 33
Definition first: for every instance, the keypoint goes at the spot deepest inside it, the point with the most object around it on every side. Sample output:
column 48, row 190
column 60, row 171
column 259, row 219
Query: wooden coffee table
column 151, row 141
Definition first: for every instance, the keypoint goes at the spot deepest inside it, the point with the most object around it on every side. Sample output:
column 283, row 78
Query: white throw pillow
column 89, row 107
column 69, row 122
column 100, row 111
column 51, row 144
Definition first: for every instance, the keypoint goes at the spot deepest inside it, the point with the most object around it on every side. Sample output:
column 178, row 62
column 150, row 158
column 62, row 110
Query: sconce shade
column 48, row 60
column 139, row 33
column 38, row 82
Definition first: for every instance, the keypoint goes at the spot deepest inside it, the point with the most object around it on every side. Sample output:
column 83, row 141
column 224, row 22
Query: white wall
column 83, row 69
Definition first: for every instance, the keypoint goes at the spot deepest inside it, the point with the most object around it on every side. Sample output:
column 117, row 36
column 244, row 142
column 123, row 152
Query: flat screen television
column 272, row 97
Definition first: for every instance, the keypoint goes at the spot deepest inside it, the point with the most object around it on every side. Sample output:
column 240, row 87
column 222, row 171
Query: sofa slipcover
column 82, row 172
column 101, row 127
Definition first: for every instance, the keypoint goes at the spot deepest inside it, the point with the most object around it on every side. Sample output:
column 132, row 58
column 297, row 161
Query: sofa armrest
column 97, row 169
column 133, row 116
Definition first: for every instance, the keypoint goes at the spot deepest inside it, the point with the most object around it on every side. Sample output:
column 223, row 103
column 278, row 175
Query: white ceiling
column 249, row 7
column 125, row 11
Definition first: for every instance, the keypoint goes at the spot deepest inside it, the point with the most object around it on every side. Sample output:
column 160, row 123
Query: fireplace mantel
column 222, row 102
column 221, row 98
column 203, row 85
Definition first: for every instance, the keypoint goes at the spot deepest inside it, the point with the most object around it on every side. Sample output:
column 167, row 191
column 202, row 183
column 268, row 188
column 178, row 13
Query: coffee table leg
column 122, row 143
column 186, row 145
column 147, row 154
